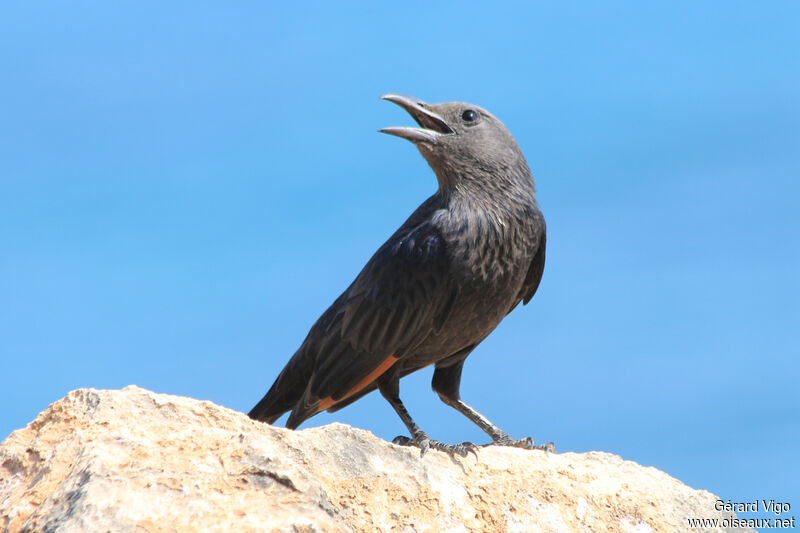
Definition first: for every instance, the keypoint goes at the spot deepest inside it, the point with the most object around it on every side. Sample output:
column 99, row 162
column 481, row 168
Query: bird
column 463, row 260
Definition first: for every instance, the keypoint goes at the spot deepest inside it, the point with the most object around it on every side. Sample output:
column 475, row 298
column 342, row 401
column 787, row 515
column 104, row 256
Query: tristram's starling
column 446, row 278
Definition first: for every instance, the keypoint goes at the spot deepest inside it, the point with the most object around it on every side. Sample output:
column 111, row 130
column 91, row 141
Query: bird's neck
column 499, row 191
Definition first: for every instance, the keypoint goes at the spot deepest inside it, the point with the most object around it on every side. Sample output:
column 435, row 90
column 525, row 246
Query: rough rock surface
column 134, row 460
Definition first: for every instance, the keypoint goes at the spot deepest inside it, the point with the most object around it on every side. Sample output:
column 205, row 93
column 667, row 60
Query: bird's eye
column 469, row 115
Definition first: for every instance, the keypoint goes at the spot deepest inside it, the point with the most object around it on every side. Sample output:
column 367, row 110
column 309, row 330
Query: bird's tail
column 268, row 410
column 287, row 389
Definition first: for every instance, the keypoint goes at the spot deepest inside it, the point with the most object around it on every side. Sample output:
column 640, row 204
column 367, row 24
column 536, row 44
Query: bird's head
column 462, row 143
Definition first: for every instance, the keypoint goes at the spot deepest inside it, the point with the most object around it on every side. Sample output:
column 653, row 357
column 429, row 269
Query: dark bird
column 441, row 283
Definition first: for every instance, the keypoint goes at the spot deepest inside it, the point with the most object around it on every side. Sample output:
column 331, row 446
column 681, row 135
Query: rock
column 134, row 460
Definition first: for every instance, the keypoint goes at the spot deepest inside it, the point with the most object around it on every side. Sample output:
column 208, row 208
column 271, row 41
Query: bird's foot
column 526, row 443
column 424, row 443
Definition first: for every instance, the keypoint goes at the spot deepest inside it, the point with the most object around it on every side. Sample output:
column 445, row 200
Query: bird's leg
column 499, row 436
column 391, row 391
column 446, row 383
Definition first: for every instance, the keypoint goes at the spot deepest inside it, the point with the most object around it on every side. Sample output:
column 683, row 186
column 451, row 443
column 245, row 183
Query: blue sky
column 184, row 188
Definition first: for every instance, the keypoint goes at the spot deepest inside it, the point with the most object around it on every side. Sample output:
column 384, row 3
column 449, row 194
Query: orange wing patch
column 327, row 402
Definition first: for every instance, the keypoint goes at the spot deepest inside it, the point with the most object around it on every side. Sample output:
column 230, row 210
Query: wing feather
column 402, row 296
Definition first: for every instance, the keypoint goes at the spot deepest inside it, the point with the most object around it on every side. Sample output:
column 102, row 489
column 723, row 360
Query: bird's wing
column 402, row 296
column 535, row 271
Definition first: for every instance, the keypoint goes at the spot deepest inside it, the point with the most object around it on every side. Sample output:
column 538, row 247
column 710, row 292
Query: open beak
column 432, row 126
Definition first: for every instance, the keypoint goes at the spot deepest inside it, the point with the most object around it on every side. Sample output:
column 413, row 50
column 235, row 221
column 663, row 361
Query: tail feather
column 287, row 389
column 267, row 411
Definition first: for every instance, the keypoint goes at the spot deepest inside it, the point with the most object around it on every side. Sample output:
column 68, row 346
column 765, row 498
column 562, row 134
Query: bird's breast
column 490, row 257
column 490, row 247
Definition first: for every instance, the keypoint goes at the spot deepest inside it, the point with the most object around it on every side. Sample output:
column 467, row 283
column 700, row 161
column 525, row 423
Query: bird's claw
column 548, row 447
column 425, row 443
column 526, row 443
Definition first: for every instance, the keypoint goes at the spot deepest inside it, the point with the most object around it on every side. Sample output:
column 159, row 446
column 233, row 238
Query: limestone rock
column 133, row 460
